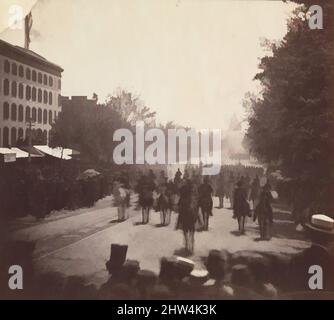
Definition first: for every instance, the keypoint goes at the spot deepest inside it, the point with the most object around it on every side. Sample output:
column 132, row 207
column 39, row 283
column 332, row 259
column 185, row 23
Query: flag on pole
column 27, row 27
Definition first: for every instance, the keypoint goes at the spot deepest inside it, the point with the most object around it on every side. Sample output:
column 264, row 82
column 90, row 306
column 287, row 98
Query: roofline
column 22, row 55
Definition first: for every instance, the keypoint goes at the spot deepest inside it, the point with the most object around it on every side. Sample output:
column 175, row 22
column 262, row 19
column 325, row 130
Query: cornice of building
column 29, row 57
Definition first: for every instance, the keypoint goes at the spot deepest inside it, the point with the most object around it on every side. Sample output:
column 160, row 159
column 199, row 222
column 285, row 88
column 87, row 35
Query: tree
column 131, row 108
column 89, row 127
column 292, row 123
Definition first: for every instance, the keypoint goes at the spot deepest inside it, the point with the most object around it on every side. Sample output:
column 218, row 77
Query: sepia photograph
column 169, row 150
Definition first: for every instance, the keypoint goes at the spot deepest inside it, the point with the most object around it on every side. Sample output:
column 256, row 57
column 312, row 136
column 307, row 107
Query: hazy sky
column 192, row 61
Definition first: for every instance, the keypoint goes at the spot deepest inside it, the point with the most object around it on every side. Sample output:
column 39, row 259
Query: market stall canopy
column 7, row 155
column 60, row 153
column 11, row 154
column 20, row 153
column 34, row 153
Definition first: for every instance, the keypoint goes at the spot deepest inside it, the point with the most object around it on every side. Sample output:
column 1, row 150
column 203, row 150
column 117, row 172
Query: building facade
column 30, row 95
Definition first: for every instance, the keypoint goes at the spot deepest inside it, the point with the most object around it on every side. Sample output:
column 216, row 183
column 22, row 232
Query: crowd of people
column 190, row 194
column 39, row 191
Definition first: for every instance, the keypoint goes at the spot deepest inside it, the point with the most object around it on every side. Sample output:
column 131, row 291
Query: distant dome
column 233, row 140
column 235, row 124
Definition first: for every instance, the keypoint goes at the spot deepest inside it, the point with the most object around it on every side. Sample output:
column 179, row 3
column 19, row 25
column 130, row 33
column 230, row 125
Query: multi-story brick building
column 30, row 91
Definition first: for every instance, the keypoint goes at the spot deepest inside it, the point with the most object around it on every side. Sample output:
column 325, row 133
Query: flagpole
column 26, row 44
column 27, row 28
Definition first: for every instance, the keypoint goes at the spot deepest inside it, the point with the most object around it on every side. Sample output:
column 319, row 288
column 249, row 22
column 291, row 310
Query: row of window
column 30, row 93
column 15, row 113
column 30, row 75
column 17, row 135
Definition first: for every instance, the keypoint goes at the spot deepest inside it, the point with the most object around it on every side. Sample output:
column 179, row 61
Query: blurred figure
column 230, row 188
column 162, row 179
column 221, row 189
column 205, row 201
column 186, row 174
column 75, row 196
column 196, row 178
column 240, row 206
column 188, row 214
column 177, row 178
column 264, row 212
column 165, row 204
column 172, row 190
column 152, row 177
column 145, row 188
column 247, row 183
column 121, row 195
column 39, row 196
column 255, row 191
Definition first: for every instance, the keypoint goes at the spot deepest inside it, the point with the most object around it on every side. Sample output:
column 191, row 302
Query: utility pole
column 30, row 124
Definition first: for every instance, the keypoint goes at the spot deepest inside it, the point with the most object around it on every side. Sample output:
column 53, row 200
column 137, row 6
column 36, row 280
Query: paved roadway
column 80, row 244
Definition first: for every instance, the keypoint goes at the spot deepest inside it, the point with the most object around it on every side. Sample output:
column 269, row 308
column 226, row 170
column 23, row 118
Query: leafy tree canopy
column 291, row 124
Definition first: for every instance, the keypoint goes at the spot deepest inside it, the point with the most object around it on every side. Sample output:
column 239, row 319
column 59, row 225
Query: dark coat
column 263, row 209
column 221, row 186
column 255, row 189
column 205, row 197
column 145, row 189
column 165, row 200
column 188, row 207
column 240, row 204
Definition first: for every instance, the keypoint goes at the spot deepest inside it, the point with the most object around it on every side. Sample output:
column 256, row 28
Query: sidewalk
column 31, row 221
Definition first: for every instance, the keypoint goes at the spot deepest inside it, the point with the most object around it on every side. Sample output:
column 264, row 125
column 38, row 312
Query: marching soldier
column 205, row 201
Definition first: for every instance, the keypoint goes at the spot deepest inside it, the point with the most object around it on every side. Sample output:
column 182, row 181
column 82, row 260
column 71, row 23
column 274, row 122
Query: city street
column 80, row 244
column 129, row 108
